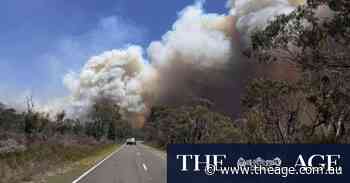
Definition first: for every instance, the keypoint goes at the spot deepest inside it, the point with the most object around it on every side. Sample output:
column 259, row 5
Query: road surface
column 130, row 164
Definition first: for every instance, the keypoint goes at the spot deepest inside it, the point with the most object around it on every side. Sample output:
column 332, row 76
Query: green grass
column 79, row 167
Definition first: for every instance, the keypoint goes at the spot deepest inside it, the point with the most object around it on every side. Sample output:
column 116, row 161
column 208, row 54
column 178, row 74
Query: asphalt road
column 131, row 164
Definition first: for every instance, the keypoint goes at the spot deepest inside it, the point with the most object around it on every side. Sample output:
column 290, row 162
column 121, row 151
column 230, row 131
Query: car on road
column 131, row 141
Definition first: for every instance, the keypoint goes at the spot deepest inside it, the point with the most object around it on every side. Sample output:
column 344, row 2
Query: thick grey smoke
column 201, row 56
column 198, row 58
column 192, row 58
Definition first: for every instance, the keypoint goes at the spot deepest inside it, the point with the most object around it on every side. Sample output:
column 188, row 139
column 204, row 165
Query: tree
column 10, row 120
column 34, row 122
column 314, row 39
column 189, row 124
column 272, row 109
column 111, row 132
column 107, row 121
column 123, row 129
column 103, row 113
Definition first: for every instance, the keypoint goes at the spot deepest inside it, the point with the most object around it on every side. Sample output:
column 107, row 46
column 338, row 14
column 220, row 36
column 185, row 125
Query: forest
column 312, row 105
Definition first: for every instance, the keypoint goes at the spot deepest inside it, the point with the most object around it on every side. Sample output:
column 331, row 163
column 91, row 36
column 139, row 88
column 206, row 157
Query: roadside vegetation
column 32, row 143
column 311, row 105
column 314, row 105
column 190, row 124
column 72, row 170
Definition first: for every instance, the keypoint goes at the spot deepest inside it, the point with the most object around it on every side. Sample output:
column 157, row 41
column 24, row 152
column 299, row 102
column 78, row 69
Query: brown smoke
column 200, row 57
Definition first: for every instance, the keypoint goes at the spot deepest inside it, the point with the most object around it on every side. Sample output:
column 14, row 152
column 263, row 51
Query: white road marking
column 138, row 154
column 144, row 167
column 94, row 167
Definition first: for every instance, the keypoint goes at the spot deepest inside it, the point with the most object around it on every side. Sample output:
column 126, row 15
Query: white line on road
column 94, row 167
column 144, row 167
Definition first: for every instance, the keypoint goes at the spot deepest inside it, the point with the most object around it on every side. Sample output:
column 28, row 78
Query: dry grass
column 40, row 157
column 74, row 170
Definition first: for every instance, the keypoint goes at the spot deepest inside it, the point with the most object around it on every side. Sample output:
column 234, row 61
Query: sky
column 42, row 40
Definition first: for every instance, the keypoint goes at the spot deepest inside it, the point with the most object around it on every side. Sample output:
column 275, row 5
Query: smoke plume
column 200, row 57
column 121, row 75
column 196, row 38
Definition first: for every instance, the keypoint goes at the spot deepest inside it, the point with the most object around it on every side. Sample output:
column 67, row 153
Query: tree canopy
column 314, row 39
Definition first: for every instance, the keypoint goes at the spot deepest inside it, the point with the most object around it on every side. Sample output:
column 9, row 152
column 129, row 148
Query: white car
column 131, row 141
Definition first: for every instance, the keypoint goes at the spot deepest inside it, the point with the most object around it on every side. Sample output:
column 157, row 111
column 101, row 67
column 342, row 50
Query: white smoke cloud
column 252, row 14
column 125, row 76
column 70, row 52
column 120, row 75
column 196, row 38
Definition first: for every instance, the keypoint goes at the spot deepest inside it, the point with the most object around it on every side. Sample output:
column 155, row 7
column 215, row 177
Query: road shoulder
column 161, row 153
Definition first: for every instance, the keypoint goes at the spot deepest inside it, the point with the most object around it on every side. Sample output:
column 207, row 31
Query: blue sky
column 41, row 40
